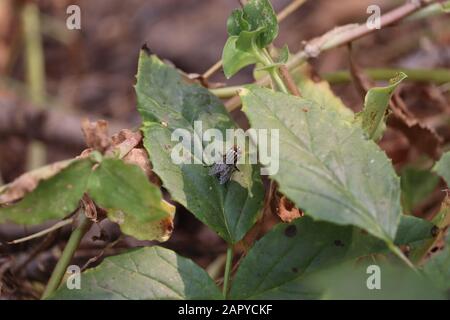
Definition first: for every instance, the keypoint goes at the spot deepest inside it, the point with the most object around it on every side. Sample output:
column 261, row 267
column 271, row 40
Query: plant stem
column 35, row 73
column 34, row 54
column 437, row 76
column 266, row 60
column 226, row 92
column 66, row 257
column 226, row 277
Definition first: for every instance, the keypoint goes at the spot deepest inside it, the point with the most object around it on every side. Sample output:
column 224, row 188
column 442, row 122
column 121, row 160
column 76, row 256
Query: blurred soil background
column 91, row 73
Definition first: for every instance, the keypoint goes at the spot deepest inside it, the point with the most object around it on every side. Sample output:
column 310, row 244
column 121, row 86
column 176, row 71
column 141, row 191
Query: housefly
column 224, row 170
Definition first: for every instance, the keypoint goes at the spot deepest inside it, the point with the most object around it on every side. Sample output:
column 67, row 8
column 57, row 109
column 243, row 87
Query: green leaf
column 350, row 282
column 147, row 273
column 412, row 229
column 326, row 166
column 375, row 106
column 115, row 185
column 235, row 59
column 442, row 167
column 256, row 14
column 416, row 186
column 278, row 264
column 283, row 55
column 236, row 23
column 53, row 198
column 250, row 30
column 131, row 200
column 122, row 189
column 229, row 209
column 260, row 14
column 321, row 93
column 437, row 268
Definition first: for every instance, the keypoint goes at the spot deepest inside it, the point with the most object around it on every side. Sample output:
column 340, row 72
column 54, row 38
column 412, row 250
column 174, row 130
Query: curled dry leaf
column 287, row 211
column 123, row 142
column 96, row 134
column 139, row 157
column 89, row 208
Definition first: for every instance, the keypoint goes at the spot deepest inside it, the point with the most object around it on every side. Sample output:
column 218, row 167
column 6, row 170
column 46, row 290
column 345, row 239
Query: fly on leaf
column 225, row 169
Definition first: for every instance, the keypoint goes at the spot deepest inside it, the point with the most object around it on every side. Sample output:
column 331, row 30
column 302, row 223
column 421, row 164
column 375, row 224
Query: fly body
column 224, row 170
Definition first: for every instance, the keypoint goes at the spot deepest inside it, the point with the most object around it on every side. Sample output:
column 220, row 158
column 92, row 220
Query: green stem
column 437, row 76
column 35, row 73
column 66, row 257
column 226, row 92
column 266, row 60
column 226, row 277
column 34, row 53
column 274, row 73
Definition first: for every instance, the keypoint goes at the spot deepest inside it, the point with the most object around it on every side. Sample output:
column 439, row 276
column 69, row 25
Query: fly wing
column 217, row 168
column 225, row 175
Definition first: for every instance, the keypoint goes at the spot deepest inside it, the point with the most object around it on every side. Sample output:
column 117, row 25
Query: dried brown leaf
column 96, row 134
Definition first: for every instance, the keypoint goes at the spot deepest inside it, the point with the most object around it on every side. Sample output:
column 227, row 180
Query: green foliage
column 437, row 269
column 255, row 15
column 122, row 189
column 327, row 167
column 321, row 93
column 416, row 186
column 147, row 273
column 165, row 104
column 53, row 198
column 277, row 266
column 350, row 282
column 115, row 185
column 235, row 59
column 442, row 167
column 250, row 30
column 373, row 116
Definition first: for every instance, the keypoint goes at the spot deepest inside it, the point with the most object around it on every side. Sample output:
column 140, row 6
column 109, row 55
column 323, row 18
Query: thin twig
column 288, row 81
column 42, row 233
column 343, row 35
column 290, row 8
